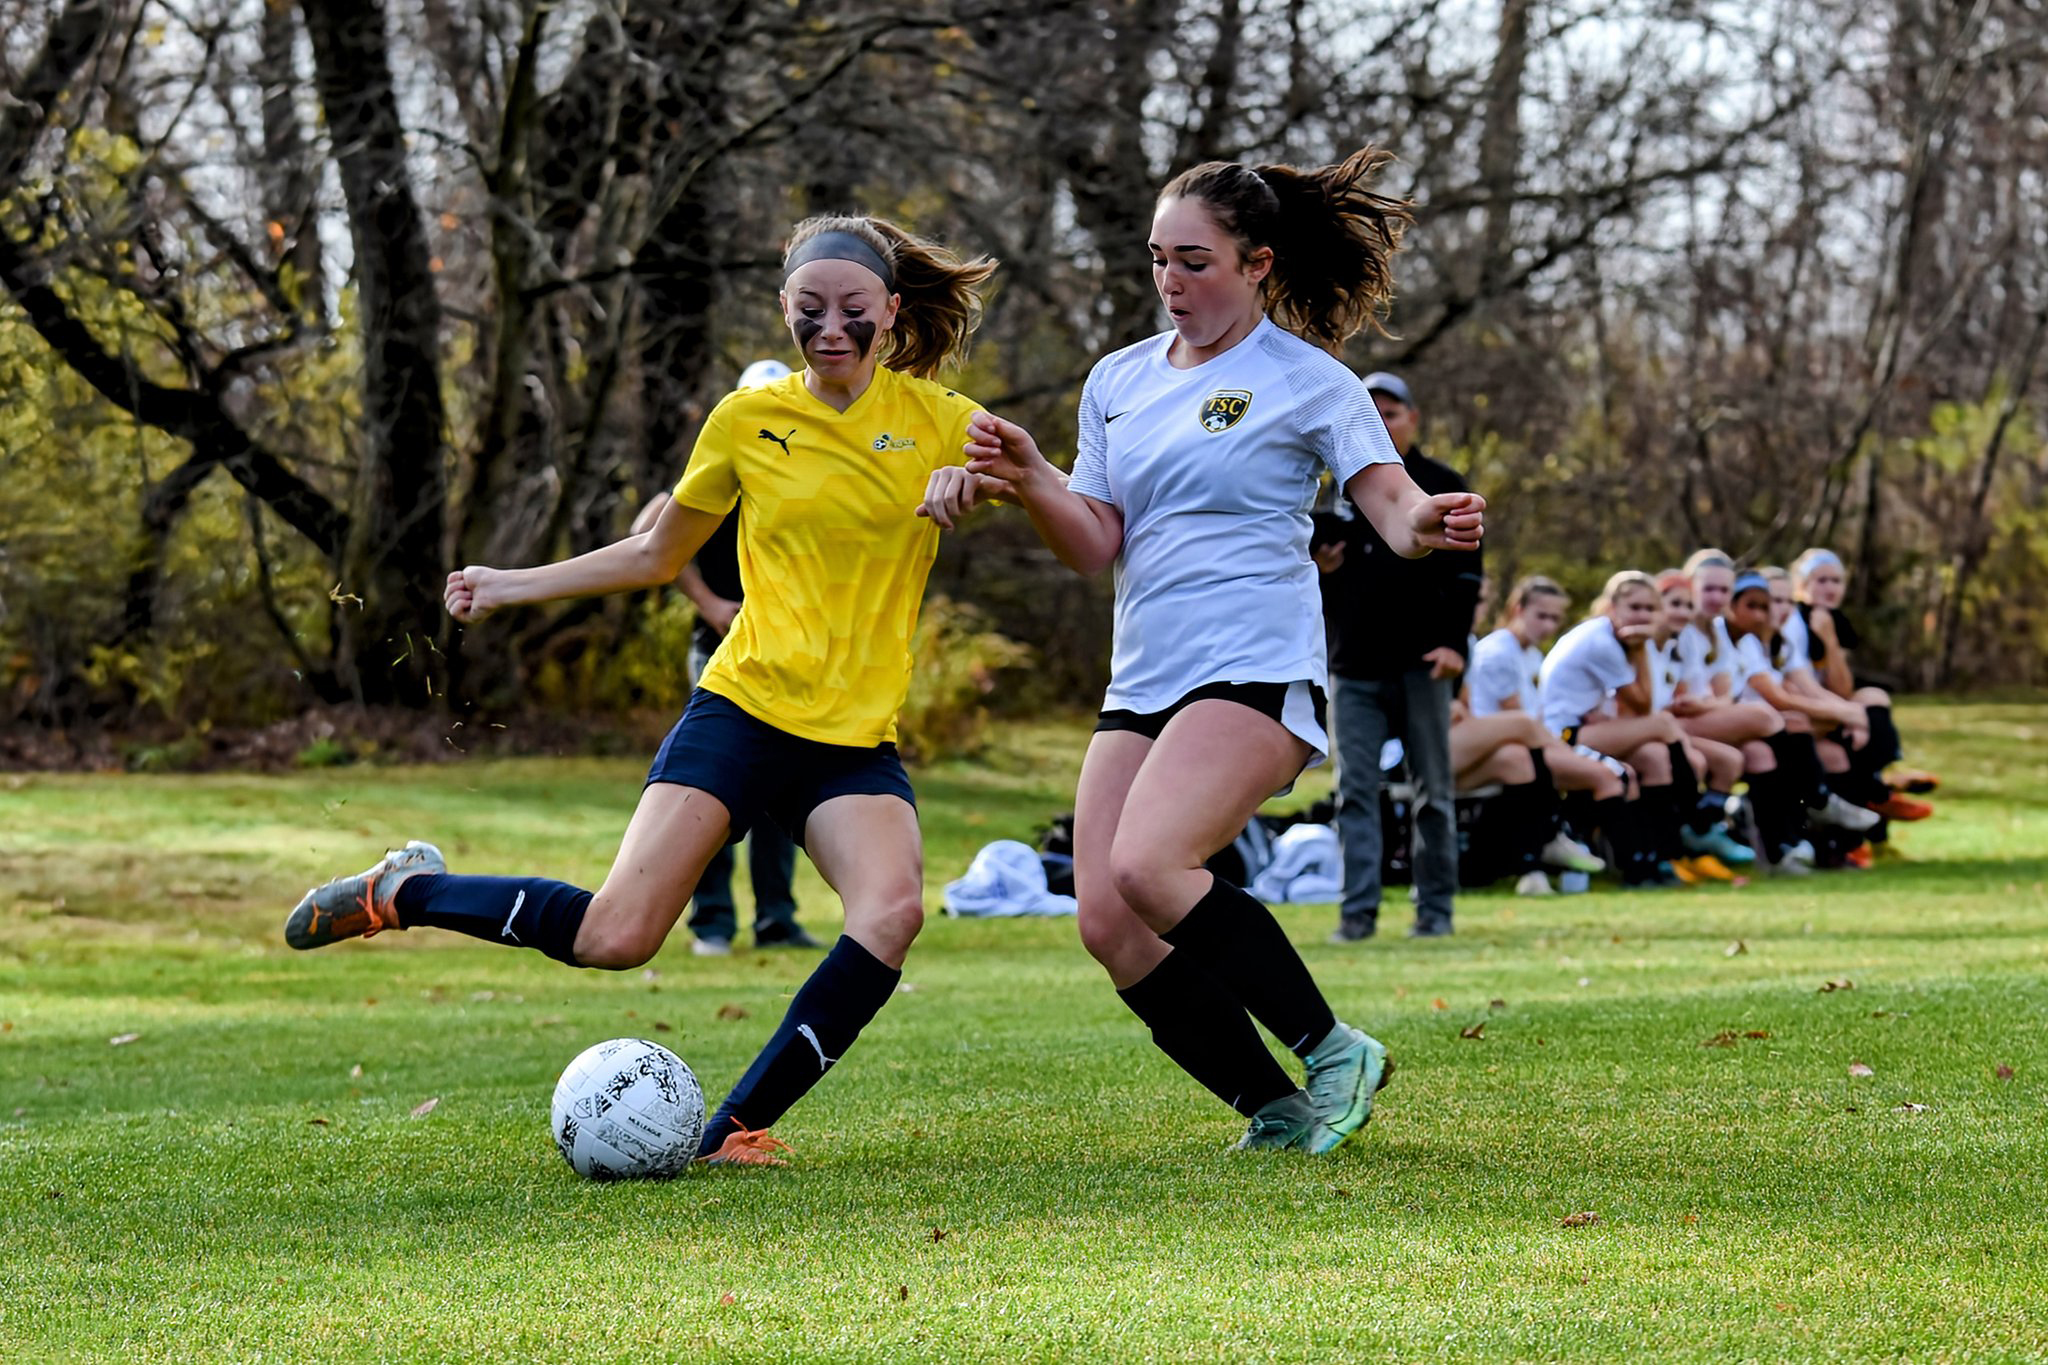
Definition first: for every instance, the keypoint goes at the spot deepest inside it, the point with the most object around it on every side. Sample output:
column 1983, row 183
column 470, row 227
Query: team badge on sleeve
column 1224, row 408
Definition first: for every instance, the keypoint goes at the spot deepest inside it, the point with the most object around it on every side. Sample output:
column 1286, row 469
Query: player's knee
column 891, row 922
column 1515, row 765
column 1139, row 879
column 1107, row 931
column 1765, row 721
column 1652, row 765
column 615, row 948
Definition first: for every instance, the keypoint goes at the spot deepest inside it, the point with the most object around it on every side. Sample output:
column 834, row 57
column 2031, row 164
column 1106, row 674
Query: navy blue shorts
column 756, row 769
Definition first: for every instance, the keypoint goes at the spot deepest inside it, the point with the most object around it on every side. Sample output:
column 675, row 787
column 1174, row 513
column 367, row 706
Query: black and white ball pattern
column 628, row 1109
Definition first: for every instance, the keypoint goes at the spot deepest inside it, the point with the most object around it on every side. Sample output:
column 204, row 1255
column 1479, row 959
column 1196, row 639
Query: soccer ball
column 628, row 1109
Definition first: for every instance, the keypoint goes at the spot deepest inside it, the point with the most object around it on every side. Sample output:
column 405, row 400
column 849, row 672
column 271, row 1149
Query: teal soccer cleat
column 1285, row 1125
column 1344, row 1073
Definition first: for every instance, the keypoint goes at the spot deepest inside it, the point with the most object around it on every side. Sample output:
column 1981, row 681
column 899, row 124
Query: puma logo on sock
column 517, row 901
column 824, row 1062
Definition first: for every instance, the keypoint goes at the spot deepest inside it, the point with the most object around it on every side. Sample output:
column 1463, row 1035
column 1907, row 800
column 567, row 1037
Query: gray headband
column 839, row 246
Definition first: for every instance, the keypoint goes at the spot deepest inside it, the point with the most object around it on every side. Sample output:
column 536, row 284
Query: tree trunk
column 391, row 565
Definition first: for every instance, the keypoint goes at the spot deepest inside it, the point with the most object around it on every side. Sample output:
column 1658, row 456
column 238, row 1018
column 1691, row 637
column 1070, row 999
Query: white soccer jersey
column 1582, row 672
column 1666, row 672
column 1694, row 667
column 1503, row 669
column 1214, row 469
column 1794, row 646
column 1753, row 660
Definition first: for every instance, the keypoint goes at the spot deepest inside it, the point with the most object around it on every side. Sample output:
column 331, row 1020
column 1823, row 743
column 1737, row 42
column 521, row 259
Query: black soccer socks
column 1237, row 940
column 1207, row 1033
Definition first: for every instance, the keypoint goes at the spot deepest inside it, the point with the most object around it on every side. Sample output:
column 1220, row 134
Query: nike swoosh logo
column 1114, row 415
column 506, row 932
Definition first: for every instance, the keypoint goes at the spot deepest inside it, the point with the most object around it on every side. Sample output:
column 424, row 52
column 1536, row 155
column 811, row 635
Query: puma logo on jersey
column 782, row 441
column 1224, row 409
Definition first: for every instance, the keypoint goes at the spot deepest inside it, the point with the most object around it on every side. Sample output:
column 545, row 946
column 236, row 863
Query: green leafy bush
column 955, row 658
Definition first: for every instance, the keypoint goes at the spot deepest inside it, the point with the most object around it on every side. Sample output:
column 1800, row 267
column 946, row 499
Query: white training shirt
column 1693, row 668
column 1503, row 668
column 1581, row 673
column 1666, row 672
column 1753, row 660
column 1214, row 469
column 1795, row 644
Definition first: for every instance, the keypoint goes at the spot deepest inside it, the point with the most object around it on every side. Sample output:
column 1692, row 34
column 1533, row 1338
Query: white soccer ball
column 628, row 1109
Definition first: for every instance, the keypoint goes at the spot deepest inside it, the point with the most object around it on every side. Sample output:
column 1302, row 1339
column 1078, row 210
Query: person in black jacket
column 1398, row 634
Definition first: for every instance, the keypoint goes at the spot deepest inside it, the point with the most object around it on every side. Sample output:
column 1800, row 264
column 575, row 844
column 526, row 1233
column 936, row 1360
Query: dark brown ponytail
column 1333, row 238
column 939, row 293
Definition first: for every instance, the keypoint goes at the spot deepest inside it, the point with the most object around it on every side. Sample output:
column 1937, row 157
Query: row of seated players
column 1634, row 733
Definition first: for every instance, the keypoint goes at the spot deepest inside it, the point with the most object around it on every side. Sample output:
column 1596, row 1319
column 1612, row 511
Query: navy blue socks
column 846, row 991
column 526, row 912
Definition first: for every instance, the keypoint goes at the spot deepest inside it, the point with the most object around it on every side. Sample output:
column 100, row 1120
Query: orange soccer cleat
column 748, row 1147
column 1899, row 806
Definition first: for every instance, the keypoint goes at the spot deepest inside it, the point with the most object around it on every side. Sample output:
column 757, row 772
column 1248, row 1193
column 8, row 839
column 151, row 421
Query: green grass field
column 1004, row 1168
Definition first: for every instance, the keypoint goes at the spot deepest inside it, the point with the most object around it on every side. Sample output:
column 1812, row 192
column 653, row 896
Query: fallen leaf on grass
column 902, row 1292
column 1725, row 1038
column 1737, row 948
column 1758, row 1033
column 318, row 1119
column 355, row 1073
column 1475, row 1031
column 1859, row 1069
column 1691, row 1218
column 1782, row 1307
column 1840, row 983
column 2004, row 1072
column 662, row 1026
column 122, row 1039
column 1496, row 1004
column 938, row 1234
column 731, row 1011
column 6, row 1026
column 546, row 1020
column 1438, row 1004
column 727, row 1297
column 1911, row 1108
column 425, row 1107
column 1579, row 1220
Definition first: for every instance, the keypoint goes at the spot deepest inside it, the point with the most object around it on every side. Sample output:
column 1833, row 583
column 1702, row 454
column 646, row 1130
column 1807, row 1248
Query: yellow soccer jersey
column 833, row 559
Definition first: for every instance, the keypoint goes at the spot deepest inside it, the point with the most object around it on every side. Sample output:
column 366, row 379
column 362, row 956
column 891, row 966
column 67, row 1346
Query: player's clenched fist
column 1449, row 521
column 467, row 595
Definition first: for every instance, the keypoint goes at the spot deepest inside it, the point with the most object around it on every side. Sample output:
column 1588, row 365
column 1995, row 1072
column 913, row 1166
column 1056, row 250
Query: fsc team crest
column 1224, row 408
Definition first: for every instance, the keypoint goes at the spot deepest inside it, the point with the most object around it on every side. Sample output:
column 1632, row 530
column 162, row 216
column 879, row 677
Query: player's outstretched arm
column 1411, row 521
column 1085, row 535
column 642, row 561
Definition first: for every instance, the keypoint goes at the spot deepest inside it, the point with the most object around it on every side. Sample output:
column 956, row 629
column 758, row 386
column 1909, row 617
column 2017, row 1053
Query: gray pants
column 1415, row 709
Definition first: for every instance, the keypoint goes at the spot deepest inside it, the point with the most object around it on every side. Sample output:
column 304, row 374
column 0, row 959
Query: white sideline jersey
column 1503, row 668
column 1696, row 670
column 1214, row 469
column 1666, row 672
column 1795, row 646
column 1582, row 672
column 1752, row 660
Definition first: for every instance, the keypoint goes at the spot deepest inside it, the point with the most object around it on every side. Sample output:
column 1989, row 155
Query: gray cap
column 1392, row 385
